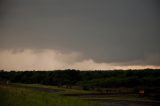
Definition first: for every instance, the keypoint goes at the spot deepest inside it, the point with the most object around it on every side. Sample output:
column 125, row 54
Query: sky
column 79, row 34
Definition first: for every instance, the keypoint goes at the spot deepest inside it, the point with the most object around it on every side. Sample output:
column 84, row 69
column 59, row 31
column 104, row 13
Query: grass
column 61, row 89
column 29, row 95
column 18, row 96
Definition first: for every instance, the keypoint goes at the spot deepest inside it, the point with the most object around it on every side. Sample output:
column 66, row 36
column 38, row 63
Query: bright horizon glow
column 47, row 59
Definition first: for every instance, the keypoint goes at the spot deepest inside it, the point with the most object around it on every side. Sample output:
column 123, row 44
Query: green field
column 20, row 96
column 15, row 94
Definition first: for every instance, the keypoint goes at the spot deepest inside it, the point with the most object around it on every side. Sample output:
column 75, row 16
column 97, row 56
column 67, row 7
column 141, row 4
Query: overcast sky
column 81, row 34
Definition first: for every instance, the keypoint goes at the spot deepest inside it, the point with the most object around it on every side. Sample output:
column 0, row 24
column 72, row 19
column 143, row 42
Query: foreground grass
column 15, row 96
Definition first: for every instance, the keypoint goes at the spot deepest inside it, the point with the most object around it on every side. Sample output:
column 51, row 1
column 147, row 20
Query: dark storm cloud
column 118, row 31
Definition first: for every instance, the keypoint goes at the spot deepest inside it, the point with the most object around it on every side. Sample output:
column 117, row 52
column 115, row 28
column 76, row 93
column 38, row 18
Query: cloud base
column 49, row 59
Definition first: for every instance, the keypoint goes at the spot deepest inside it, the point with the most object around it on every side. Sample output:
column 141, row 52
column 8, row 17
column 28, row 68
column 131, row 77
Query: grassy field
column 42, row 95
column 61, row 89
column 20, row 96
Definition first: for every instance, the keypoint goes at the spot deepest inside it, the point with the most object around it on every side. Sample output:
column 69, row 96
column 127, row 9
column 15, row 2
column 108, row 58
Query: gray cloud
column 107, row 31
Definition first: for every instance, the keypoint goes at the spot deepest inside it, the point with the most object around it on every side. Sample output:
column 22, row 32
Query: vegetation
column 17, row 96
column 86, row 79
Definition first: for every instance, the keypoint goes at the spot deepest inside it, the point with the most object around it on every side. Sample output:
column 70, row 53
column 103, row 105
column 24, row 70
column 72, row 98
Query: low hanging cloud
column 49, row 59
column 36, row 60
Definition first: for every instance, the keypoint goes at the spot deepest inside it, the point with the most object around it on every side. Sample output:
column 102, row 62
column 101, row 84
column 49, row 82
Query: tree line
column 86, row 79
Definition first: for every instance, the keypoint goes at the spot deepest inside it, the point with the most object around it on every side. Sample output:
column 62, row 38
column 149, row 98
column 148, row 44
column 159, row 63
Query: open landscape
column 79, row 52
column 15, row 89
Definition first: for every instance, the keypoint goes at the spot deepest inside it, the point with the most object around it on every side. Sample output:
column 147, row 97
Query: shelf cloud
column 52, row 60
column 82, row 34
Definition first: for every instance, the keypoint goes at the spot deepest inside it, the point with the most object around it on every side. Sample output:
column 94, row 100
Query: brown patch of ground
column 101, row 98
column 113, row 102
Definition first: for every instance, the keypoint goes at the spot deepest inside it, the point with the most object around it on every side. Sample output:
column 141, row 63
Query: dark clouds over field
column 121, row 32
